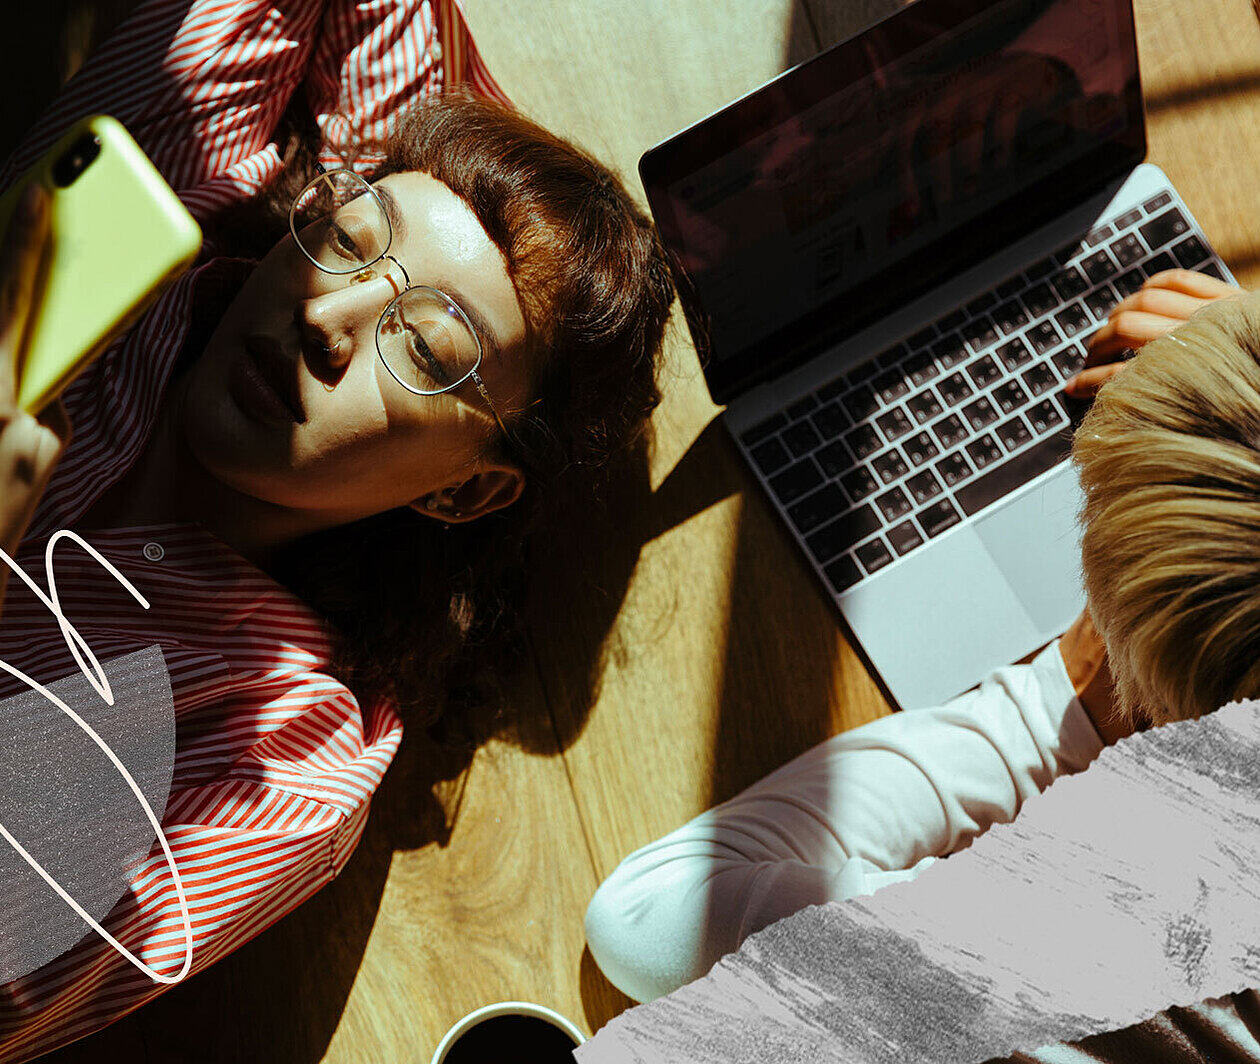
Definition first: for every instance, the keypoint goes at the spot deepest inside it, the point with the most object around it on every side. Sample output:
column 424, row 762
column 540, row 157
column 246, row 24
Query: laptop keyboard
column 872, row 465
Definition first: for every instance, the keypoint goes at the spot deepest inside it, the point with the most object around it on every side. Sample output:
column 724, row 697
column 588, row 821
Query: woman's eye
column 343, row 243
column 422, row 355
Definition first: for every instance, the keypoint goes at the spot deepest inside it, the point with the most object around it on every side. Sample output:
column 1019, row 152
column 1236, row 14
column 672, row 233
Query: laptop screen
column 863, row 178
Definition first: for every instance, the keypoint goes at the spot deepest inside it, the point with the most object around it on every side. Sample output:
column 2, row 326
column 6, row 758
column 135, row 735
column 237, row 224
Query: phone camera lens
column 77, row 158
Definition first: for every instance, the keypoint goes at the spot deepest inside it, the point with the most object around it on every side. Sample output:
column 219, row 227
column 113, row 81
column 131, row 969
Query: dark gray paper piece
column 64, row 801
column 1116, row 893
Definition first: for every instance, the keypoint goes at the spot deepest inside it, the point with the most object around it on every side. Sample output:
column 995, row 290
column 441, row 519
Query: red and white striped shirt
column 276, row 761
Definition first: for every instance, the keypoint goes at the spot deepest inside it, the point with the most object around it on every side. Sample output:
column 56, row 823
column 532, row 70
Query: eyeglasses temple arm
column 481, row 387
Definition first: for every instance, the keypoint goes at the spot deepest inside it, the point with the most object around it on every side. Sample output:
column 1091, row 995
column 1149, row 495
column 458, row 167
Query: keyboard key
column 1190, row 252
column 950, row 431
column 1096, row 236
column 1043, row 416
column 920, row 448
column 844, row 532
column 980, row 334
column 954, row 389
column 763, row 429
column 924, row 406
column 1040, row 378
column 1014, row 354
column 814, row 509
column 863, row 372
column 904, row 538
column 842, row 574
column 895, row 423
column 1040, row 300
column 1044, row 336
column 1152, row 205
column 920, row 368
column 1098, row 267
column 923, row 486
column 983, row 451
column 800, row 438
column 801, row 407
column 1158, row 264
column 796, row 481
column 953, row 468
column 975, row 495
column 1041, row 269
column 1069, row 284
column 829, row 391
column 1164, row 229
column 1212, row 270
column 984, row 371
column 830, row 421
column 1014, row 433
column 859, row 483
column 860, row 403
column 1011, row 286
column 770, row 456
column 1128, row 249
column 1073, row 319
column 1100, row 303
column 950, row 351
column 890, row 386
column 863, row 441
column 936, row 518
column 1069, row 361
column 834, row 459
column 951, row 321
column 1128, row 283
column 1009, row 396
column 890, row 466
column 892, row 355
column 1010, row 316
column 1127, row 219
column 981, row 303
column 874, row 555
column 1067, row 253
column 893, row 504
column 922, row 338
column 980, row 413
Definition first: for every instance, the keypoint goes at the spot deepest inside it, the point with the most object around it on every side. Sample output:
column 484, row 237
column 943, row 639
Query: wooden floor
column 680, row 648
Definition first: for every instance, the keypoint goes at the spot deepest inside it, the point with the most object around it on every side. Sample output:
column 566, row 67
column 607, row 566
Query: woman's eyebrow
column 392, row 211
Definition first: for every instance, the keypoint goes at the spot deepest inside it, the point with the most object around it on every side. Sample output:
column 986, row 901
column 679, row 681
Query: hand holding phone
column 29, row 445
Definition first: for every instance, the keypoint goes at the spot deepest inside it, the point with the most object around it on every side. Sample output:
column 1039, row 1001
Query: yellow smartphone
column 118, row 237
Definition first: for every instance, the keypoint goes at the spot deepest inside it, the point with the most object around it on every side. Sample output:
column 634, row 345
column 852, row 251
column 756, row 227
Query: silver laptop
column 891, row 258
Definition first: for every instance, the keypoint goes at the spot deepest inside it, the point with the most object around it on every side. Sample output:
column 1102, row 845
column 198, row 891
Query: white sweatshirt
column 874, row 805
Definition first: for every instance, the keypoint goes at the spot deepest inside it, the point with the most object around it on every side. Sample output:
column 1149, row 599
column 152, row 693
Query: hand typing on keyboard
column 1165, row 301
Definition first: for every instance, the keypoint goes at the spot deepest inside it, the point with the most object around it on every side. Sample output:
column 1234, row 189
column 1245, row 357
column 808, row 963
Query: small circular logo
column 154, row 552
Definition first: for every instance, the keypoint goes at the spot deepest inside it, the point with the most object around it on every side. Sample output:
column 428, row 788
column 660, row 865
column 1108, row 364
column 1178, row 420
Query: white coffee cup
column 504, row 1008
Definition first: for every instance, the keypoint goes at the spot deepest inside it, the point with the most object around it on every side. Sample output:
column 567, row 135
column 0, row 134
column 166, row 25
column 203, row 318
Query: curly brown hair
column 426, row 615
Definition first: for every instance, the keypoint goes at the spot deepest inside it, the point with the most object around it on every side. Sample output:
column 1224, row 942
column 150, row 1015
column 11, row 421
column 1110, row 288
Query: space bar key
column 983, row 491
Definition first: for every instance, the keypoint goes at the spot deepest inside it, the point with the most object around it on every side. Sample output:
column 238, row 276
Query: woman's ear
column 493, row 488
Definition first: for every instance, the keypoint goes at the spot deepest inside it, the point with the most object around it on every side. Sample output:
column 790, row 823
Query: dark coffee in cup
column 512, row 1038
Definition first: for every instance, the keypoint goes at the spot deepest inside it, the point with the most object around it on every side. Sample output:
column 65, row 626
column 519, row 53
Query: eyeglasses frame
column 360, row 270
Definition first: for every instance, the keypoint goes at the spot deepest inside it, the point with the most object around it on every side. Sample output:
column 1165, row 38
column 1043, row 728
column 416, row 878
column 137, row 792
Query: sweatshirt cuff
column 1079, row 741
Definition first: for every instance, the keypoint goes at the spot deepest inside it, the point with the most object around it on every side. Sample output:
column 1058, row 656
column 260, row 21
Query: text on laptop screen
column 853, row 183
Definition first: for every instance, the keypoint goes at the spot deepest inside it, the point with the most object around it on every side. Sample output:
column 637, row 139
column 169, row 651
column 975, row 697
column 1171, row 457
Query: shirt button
column 154, row 552
column 435, row 50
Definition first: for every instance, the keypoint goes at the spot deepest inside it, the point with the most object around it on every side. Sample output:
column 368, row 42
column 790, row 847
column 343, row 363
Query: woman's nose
column 333, row 324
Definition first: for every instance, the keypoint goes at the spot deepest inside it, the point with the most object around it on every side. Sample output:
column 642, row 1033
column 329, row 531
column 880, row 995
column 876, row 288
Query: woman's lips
column 254, row 395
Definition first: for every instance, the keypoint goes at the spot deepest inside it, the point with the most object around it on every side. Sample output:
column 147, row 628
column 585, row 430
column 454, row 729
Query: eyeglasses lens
column 343, row 226
column 425, row 342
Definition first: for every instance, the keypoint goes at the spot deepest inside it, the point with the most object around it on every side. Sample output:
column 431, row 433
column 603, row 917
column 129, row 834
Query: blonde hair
column 1169, row 459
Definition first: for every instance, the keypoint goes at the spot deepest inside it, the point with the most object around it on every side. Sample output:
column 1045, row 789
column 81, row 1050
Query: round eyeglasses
column 425, row 339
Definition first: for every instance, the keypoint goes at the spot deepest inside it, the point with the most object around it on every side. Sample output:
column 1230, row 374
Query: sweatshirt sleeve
column 871, row 806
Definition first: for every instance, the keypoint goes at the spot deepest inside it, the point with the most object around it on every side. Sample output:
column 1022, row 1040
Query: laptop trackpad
column 1035, row 542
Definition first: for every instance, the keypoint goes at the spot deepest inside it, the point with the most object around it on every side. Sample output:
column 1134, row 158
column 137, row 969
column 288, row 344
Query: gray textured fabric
column 1117, row 893
column 64, row 801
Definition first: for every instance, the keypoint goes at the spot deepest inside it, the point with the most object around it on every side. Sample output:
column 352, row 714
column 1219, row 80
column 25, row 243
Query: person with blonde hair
column 1169, row 460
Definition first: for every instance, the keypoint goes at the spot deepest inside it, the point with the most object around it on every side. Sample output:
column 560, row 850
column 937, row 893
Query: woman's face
column 361, row 443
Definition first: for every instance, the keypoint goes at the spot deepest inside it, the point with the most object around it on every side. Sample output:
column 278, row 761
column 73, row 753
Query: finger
column 1193, row 283
column 1086, row 383
column 1163, row 302
column 19, row 262
column 1129, row 329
